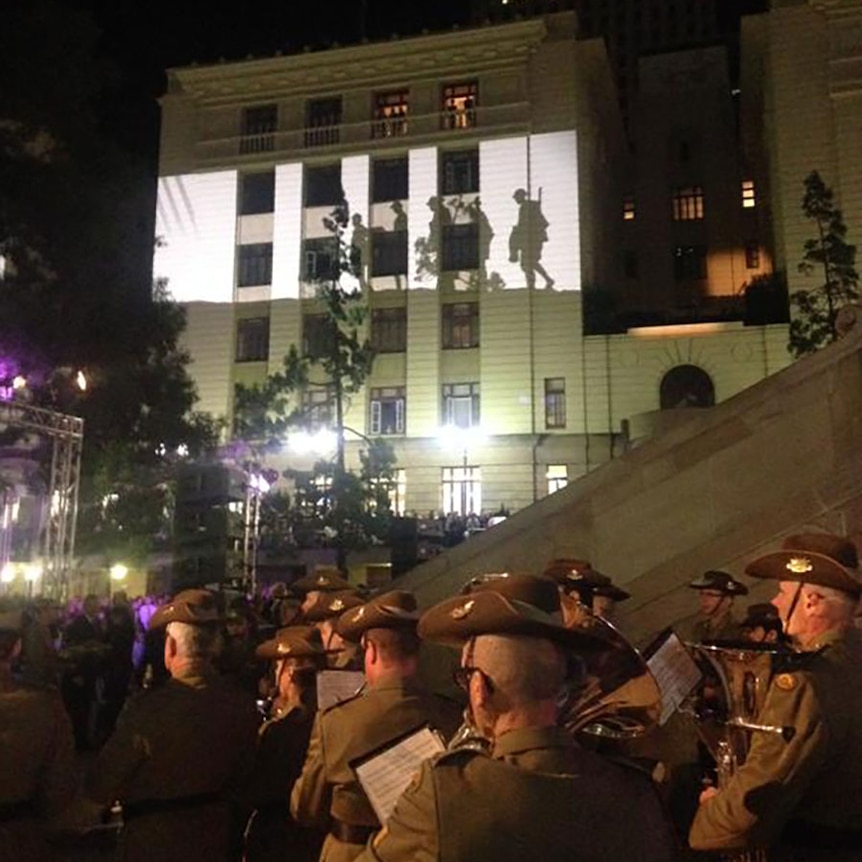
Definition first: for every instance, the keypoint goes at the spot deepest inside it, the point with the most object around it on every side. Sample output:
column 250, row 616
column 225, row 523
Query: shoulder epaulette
column 458, row 755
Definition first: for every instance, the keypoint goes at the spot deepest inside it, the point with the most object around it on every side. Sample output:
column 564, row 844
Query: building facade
column 486, row 177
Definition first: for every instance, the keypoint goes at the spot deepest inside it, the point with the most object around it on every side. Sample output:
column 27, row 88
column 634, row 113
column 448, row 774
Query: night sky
column 142, row 39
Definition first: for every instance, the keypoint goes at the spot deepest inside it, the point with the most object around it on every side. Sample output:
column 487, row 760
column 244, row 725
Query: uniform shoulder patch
column 786, row 681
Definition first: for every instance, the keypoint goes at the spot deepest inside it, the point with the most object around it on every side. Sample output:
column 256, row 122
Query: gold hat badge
column 799, row 565
column 462, row 611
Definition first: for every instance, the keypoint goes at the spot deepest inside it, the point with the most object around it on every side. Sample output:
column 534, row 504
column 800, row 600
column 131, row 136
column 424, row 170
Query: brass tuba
column 619, row 697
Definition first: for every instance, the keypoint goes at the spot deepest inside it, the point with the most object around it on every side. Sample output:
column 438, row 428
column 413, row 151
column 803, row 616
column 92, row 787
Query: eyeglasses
column 462, row 676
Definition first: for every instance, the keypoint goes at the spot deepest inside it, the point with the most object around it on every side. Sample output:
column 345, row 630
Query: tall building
column 487, row 179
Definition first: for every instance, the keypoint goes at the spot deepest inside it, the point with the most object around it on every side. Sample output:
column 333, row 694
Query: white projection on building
column 196, row 226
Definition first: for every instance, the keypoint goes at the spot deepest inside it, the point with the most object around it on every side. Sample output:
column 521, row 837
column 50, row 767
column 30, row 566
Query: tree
column 347, row 508
column 833, row 258
column 76, row 291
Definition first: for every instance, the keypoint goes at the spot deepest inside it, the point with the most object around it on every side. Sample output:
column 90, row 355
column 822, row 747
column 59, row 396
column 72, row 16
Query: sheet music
column 386, row 776
column 676, row 673
column 333, row 686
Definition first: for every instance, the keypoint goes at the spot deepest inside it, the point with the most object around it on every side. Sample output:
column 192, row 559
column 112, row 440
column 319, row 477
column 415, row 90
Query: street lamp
column 118, row 572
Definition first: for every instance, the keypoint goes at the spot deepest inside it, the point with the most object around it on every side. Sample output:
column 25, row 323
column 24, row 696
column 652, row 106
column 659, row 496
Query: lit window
column 628, row 208
column 396, row 491
column 555, row 402
column 557, row 476
column 258, row 129
column 688, row 203
column 460, row 325
column 390, row 114
column 322, row 121
column 459, row 105
column 387, row 410
column 254, row 264
column 462, row 490
column 749, row 199
column 752, row 256
column 252, row 339
column 461, row 404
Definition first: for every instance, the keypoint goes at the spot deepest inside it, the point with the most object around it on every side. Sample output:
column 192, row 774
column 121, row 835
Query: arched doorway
column 686, row 386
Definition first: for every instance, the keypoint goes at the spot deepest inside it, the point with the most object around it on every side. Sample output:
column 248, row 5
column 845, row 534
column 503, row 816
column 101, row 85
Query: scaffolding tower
column 66, row 435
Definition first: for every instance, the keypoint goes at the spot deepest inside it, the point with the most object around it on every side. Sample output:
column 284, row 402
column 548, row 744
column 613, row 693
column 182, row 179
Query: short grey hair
column 195, row 641
column 524, row 669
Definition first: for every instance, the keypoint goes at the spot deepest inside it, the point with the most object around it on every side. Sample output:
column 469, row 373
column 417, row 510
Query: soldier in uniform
column 311, row 586
column 802, row 797
column 37, row 756
column 298, row 654
column 324, row 614
column 393, row 702
column 536, row 793
column 180, row 751
column 714, row 620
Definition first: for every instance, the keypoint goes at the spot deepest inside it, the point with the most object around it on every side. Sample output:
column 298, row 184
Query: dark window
column 389, row 180
column 258, row 129
column 459, row 172
column 389, row 330
column 460, row 247
column 320, row 259
column 252, row 339
column 752, row 256
column 689, row 263
column 688, row 203
column 322, row 121
column 555, row 402
column 257, row 193
column 461, row 404
column 318, row 403
column 254, row 266
column 386, row 414
column 317, row 335
column 630, row 263
column 323, row 186
column 686, row 386
column 389, row 252
column 390, row 114
column 460, row 325
column 459, row 105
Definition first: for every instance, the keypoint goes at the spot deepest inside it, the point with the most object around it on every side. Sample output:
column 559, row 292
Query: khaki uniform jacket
column 328, row 788
column 194, row 737
column 814, row 781
column 538, row 796
column 37, row 770
column 697, row 629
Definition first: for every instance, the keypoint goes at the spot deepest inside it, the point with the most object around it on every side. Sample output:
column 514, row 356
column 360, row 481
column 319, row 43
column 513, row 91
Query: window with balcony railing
column 258, row 128
column 322, row 121
column 459, row 102
column 390, row 114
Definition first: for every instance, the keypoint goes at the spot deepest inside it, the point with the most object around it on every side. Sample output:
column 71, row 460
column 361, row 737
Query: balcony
column 509, row 118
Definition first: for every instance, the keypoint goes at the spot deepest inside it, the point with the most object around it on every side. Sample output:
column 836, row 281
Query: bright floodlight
column 453, row 437
column 320, row 442
column 81, row 381
column 8, row 573
column 19, row 382
column 118, row 572
column 259, row 484
column 32, row 572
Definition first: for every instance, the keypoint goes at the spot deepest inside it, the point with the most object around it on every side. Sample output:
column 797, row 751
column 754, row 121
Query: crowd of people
column 211, row 739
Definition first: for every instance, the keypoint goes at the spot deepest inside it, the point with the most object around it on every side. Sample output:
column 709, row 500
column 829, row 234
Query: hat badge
column 284, row 648
column 463, row 611
column 337, row 605
column 321, row 579
column 799, row 565
column 360, row 613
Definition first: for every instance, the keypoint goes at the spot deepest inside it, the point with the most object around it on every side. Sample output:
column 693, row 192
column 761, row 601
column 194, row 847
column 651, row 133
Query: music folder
column 386, row 772
column 675, row 671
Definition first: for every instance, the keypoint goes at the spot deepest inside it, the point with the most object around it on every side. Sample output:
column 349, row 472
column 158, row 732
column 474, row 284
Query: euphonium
column 619, row 697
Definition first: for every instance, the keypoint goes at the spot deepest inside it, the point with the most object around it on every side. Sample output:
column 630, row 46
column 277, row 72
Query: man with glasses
column 535, row 793
column 392, row 703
